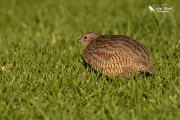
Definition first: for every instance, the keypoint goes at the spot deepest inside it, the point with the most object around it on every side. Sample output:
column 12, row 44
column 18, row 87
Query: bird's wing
column 108, row 52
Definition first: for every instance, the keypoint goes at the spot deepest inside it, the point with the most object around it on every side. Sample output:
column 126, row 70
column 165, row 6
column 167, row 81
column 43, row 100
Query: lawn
column 42, row 68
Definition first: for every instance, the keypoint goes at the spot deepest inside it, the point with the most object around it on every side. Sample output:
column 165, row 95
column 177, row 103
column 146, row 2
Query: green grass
column 42, row 65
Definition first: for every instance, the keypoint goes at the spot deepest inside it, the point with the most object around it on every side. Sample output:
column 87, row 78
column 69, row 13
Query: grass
column 42, row 65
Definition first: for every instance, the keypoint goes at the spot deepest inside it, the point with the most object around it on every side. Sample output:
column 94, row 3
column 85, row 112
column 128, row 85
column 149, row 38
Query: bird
column 151, row 9
column 114, row 55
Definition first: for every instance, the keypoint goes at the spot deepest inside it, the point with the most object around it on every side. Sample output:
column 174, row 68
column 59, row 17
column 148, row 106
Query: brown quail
column 116, row 54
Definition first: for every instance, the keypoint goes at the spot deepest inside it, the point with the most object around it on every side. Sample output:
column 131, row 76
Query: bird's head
column 87, row 38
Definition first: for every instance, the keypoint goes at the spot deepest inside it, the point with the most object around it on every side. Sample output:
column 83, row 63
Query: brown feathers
column 116, row 54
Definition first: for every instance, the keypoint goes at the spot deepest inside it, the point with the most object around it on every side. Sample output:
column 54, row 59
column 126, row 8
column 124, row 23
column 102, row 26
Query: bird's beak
column 79, row 41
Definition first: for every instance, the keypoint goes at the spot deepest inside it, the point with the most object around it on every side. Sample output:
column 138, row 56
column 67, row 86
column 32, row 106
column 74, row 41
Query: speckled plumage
column 116, row 54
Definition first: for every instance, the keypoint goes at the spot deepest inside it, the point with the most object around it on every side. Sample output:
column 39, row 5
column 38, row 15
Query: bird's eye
column 85, row 37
